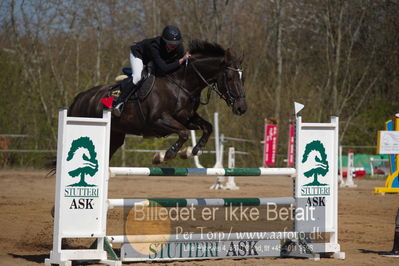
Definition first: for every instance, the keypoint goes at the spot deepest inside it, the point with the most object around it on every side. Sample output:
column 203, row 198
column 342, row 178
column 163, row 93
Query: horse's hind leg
column 197, row 122
column 169, row 125
column 117, row 139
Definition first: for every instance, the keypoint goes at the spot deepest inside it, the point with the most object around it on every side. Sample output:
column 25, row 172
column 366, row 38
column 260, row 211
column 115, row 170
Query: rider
column 167, row 54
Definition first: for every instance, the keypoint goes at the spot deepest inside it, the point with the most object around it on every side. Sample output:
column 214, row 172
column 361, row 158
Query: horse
column 171, row 105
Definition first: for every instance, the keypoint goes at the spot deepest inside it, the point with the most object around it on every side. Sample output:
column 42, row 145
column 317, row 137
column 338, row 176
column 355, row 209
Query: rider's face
column 170, row 47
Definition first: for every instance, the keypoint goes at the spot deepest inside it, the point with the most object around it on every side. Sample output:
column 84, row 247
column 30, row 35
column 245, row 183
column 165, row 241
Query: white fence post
column 230, row 184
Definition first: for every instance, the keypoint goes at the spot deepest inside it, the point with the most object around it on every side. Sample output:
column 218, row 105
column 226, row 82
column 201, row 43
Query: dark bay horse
column 172, row 104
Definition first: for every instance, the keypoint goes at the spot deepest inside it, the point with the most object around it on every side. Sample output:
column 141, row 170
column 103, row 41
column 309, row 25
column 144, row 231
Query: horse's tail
column 51, row 165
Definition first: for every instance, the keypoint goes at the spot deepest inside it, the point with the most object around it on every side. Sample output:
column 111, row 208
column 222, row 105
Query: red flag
column 270, row 146
column 291, row 156
column 108, row 101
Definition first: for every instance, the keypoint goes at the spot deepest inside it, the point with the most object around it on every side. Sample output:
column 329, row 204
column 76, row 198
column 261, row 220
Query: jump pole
column 81, row 200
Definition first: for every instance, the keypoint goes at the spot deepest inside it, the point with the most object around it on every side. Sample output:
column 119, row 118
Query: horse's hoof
column 169, row 155
column 186, row 153
column 158, row 158
column 196, row 151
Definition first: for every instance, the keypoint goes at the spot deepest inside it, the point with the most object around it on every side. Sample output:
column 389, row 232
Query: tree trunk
column 279, row 16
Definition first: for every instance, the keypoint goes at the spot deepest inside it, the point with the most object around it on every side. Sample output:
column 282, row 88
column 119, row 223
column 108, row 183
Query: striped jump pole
column 144, row 171
column 82, row 203
column 181, row 202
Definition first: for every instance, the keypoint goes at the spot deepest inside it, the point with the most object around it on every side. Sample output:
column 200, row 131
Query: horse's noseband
column 231, row 99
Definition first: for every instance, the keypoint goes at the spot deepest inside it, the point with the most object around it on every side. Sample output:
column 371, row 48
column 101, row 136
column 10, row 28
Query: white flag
column 298, row 107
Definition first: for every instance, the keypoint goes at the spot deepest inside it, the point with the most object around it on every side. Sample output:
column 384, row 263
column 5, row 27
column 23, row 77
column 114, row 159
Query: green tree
column 90, row 167
column 315, row 151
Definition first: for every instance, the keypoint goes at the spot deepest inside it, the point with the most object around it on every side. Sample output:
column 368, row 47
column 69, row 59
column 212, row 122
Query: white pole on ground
column 230, row 184
column 219, row 155
column 221, row 148
column 218, row 163
column 351, row 170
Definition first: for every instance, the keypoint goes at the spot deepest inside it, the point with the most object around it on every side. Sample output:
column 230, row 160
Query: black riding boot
column 127, row 87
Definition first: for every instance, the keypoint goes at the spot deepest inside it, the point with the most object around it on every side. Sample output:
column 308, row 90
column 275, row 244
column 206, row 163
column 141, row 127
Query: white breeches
column 137, row 68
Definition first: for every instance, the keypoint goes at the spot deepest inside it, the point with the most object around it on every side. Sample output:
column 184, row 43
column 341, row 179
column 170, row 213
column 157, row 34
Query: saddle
column 143, row 88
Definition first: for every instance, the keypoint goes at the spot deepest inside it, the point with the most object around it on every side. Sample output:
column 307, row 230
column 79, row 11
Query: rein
column 211, row 86
column 230, row 99
column 193, row 98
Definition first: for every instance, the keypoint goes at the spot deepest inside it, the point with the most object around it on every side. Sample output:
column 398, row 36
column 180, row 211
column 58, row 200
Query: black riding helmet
column 171, row 35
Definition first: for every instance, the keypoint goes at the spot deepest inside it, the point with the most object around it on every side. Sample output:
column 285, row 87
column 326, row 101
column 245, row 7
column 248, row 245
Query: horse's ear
column 227, row 55
column 241, row 59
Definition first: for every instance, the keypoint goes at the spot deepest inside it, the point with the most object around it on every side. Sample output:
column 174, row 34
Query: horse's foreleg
column 197, row 122
column 117, row 139
column 169, row 125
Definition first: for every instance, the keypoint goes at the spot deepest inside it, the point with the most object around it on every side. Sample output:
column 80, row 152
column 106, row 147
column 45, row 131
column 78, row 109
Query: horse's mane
column 205, row 49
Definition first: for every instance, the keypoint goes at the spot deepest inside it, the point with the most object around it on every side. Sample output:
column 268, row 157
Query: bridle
column 213, row 86
column 232, row 98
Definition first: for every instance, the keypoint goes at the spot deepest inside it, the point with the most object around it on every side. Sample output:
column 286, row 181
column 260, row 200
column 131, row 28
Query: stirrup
column 117, row 110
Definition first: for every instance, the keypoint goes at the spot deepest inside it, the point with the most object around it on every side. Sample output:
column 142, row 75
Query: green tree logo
column 315, row 159
column 88, row 162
